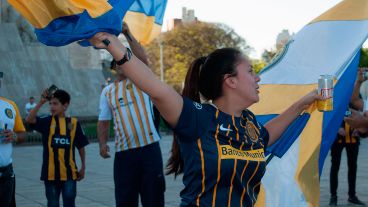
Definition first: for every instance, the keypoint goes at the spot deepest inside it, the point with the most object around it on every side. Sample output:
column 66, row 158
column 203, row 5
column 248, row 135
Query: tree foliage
column 258, row 65
column 185, row 43
column 363, row 57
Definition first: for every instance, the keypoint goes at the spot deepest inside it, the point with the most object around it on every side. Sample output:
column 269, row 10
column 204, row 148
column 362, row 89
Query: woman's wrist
column 116, row 49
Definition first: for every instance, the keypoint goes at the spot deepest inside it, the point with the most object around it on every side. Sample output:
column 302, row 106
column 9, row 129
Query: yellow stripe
column 142, row 27
column 346, row 10
column 353, row 139
column 218, row 167
column 203, row 172
column 347, row 133
column 254, row 172
column 307, row 174
column 145, row 113
column 116, row 121
column 41, row 12
column 51, row 164
column 232, row 178
column 122, row 122
column 237, row 131
column 217, row 113
column 129, row 114
column 281, row 98
column 72, row 164
column 254, row 196
column 136, row 110
column 227, row 133
column 244, row 189
column 61, row 151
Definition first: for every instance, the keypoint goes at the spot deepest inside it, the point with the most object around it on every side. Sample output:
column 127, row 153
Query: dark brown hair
column 62, row 96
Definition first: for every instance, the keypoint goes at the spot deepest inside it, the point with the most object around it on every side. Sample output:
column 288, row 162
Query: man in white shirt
column 11, row 130
column 30, row 105
column 138, row 166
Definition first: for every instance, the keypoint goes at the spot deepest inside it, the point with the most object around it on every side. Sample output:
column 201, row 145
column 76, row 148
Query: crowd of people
column 209, row 119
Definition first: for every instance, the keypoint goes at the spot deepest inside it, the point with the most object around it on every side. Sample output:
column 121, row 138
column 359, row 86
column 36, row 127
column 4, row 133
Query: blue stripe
column 332, row 120
column 65, row 30
column 280, row 147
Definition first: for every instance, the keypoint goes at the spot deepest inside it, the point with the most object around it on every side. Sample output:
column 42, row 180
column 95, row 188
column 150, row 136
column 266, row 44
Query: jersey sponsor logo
column 197, row 105
column 229, row 152
column 122, row 104
column 9, row 113
column 121, row 101
column 222, row 128
column 60, row 142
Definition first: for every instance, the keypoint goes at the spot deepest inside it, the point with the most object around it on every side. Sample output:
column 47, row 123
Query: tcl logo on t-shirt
column 60, row 142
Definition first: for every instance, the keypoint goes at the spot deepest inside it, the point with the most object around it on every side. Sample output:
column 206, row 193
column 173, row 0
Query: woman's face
column 247, row 81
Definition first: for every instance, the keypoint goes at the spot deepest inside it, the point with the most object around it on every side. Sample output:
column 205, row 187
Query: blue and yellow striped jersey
column 223, row 156
column 131, row 110
column 60, row 137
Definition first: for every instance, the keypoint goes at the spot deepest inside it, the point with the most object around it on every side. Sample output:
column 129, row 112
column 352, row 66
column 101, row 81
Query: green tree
column 363, row 57
column 185, row 43
column 258, row 65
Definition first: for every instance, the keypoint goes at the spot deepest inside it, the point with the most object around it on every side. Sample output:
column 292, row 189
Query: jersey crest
column 9, row 113
column 252, row 131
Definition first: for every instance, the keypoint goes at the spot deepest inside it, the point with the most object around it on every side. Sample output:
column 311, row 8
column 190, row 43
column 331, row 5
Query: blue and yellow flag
column 58, row 23
column 330, row 45
column 145, row 19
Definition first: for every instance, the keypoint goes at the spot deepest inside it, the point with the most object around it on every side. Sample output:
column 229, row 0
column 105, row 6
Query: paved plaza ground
column 97, row 189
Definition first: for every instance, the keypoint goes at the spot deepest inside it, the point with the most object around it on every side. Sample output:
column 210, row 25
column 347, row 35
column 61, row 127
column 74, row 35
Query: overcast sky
column 258, row 21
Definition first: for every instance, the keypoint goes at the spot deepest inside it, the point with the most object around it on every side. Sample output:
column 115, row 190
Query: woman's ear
column 230, row 82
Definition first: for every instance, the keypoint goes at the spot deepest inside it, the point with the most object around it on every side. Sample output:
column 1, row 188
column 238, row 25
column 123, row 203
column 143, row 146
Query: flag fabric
column 330, row 45
column 145, row 19
column 58, row 23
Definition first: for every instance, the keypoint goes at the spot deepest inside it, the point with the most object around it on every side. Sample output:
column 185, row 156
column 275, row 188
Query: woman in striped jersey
column 221, row 144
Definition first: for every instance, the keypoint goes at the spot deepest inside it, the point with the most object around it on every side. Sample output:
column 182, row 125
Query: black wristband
column 127, row 56
column 106, row 42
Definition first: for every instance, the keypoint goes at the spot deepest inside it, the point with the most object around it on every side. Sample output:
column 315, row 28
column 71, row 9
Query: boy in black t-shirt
column 60, row 136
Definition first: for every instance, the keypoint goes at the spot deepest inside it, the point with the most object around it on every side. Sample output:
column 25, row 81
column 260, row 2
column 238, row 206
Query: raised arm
column 279, row 124
column 165, row 98
column 355, row 100
column 31, row 118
